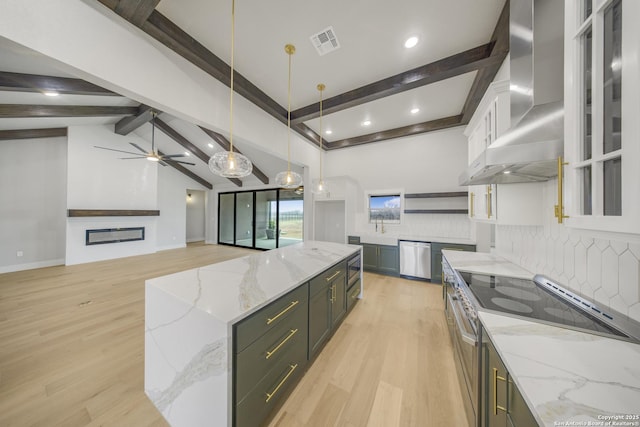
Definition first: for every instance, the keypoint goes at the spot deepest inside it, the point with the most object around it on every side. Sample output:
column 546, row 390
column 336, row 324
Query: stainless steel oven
column 463, row 330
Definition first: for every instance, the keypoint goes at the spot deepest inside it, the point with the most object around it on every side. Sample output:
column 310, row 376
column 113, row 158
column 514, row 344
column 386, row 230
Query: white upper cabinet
column 508, row 204
column 602, row 122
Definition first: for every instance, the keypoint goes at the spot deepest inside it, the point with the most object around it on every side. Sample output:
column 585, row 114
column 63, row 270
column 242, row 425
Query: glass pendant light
column 289, row 178
column 230, row 164
column 320, row 187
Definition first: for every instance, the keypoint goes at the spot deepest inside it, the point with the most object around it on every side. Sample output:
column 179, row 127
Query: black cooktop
column 525, row 298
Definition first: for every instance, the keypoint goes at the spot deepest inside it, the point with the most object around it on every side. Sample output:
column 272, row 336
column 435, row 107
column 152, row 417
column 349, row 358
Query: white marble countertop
column 392, row 239
column 569, row 377
column 231, row 290
column 189, row 318
column 485, row 263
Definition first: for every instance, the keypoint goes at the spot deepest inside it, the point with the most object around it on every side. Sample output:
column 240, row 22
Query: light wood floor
column 72, row 350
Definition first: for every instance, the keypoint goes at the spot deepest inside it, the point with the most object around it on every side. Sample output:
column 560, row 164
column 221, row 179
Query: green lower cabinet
column 503, row 404
column 381, row 259
column 327, row 305
column 436, row 257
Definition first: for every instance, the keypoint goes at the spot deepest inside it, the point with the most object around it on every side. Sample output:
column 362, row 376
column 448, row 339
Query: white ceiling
column 371, row 34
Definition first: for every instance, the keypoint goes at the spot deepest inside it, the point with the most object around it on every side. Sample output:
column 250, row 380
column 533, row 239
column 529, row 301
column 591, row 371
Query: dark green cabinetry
column 503, row 405
column 270, row 355
column 436, row 257
column 327, row 305
column 381, row 259
column 272, row 347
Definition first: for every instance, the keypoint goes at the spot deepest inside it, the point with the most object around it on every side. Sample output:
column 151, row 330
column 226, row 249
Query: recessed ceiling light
column 186, row 153
column 506, row 172
column 328, row 132
column 51, row 93
column 210, row 145
column 366, row 123
column 411, row 42
column 415, row 110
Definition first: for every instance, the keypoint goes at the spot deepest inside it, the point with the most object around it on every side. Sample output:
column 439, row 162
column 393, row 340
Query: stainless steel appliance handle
column 466, row 336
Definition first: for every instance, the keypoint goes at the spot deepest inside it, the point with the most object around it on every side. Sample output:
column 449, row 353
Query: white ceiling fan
column 152, row 155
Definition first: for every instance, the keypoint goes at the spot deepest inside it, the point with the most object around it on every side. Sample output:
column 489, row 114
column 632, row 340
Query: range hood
column 528, row 151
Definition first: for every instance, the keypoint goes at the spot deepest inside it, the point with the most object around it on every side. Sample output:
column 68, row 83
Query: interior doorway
column 195, row 230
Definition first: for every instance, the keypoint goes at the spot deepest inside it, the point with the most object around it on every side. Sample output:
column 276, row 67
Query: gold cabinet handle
column 497, row 377
column 286, row 377
column 489, row 202
column 289, row 307
column 287, row 338
column 332, row 297
column 333, row 276
column 559, row 208
column 471, row 200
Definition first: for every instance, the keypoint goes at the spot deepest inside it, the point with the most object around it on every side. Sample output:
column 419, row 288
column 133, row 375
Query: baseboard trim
column 31, row 265
column 169, row 247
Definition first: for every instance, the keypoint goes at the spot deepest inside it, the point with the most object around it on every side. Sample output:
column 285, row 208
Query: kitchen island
column 566, row 377
column 190, row 318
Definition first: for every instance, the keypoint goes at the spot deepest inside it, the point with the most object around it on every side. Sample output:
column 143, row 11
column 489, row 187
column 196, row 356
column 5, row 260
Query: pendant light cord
column 153, row 131
column 321, row 88
column 290, row 52
column 233, row 32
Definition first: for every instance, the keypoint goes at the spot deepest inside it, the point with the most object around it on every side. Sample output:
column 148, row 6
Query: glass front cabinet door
column 602, row 123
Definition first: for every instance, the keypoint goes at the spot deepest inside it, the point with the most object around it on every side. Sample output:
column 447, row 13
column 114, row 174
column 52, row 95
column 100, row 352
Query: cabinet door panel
column 388, row 259
column 339, row 303
column 370, row 256
column 319, row 320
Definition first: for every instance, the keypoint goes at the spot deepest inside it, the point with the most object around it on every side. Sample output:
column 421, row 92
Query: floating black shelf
column 435, row 195
column 436, row 211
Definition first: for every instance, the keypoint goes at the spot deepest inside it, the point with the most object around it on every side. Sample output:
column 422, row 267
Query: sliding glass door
column 261, row 219
column 266, row 219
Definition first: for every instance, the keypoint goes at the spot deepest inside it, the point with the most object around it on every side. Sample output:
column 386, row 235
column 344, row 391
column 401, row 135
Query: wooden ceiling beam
column 10, row 111
column 500, row 40
column 18, row 82
column 6, row 135
column 430, row 126
column 130, row 123
column 136, row 11
column 223, row 142
column 184, row 142
column 187, row 172
column 452, row 66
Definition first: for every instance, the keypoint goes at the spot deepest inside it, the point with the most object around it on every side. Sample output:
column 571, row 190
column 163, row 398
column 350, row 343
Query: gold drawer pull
column 272, row 352
column 272, row 319
column 286, row 377
column 333, row 276
column 497, row 377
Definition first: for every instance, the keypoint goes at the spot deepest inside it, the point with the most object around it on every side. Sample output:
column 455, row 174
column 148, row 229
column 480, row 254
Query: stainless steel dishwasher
column 415, row 259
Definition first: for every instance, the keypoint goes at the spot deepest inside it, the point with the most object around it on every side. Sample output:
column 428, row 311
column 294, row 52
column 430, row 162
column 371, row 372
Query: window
column 601, row 144
column 385, row 208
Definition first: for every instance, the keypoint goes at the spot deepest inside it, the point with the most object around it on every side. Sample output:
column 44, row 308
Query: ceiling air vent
column 325, row 41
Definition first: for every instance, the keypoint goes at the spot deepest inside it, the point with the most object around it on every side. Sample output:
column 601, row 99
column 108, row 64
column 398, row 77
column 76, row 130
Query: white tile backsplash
column 601, row 266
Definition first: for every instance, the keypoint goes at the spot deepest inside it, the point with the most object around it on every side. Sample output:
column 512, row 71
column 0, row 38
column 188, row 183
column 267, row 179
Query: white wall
column 98, row 179
column 33, row 177
column 425, row 163
column 601, row 266
column 172, row 222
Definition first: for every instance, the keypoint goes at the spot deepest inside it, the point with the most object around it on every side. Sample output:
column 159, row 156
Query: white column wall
column 98, row 179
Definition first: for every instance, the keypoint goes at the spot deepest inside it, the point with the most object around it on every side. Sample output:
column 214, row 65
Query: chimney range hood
column 528, row 151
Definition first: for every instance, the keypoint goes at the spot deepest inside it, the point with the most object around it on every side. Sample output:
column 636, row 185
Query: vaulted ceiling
column 371, row 76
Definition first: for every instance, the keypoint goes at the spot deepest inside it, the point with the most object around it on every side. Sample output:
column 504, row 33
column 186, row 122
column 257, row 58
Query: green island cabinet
column 436, row 257
column 502, row 402
column 381, row 259
column 274, row 346
column 327, row 305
